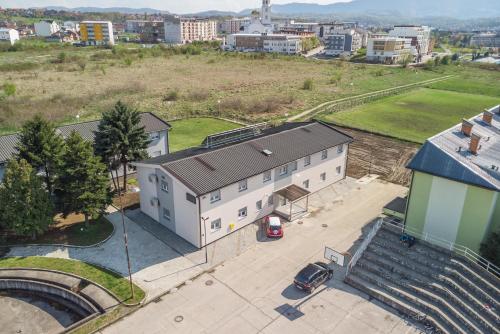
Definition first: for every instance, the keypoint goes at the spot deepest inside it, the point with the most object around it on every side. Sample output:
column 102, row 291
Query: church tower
column 266, row 12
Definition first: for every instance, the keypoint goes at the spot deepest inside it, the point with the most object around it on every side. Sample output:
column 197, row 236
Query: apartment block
column 234, row 26
column 284, row 44
column 387, row 50
column 342, row 42
column 97, row 33
column 485, row 40
column 205, row 193
column 420, row 38
column 186, row 30
column 46, row 28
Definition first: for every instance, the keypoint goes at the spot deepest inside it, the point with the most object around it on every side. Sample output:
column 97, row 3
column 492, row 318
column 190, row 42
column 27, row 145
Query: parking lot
column 252, row 293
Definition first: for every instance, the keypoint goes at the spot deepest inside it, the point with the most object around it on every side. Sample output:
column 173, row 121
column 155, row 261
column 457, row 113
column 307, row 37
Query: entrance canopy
column 293, row 193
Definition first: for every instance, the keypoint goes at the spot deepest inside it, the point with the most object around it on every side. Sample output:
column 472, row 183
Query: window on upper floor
column 154, row 136
column 242, row 185
column 215, row 225
column 340, row 149
column 164, row 186
column 338, row 170
column 267, row 176
column 324, row 154
column 191, row 198
column 242, row 213
column 215, row 196
column 270, row 200
column 258, row 205
column 305, row 184
column 323, row 176
column 307, row 160
column 283, row 170
column 293, row 166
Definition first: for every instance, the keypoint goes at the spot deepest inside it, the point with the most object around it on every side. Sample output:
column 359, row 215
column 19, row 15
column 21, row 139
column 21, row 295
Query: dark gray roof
column 447, row 154
column 205, row 170
column 150, row 122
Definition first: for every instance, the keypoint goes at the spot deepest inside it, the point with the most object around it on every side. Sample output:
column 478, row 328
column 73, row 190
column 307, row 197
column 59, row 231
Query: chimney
column 487, row 117
column 474, row 143
column 467, row 127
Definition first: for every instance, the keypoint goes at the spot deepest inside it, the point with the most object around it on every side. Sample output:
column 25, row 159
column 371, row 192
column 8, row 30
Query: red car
column 274, row 228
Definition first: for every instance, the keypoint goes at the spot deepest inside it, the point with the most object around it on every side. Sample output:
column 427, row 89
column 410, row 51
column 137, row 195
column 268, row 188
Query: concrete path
column 252, row 293
column 156, row 267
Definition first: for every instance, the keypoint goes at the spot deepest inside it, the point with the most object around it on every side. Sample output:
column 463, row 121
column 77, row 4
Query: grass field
column 251, row 87
column 115, row 283
column 191, row 132
column 416, row 115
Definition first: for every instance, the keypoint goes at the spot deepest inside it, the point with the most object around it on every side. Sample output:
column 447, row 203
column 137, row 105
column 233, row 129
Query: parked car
column 312, row 276
column 274, row 228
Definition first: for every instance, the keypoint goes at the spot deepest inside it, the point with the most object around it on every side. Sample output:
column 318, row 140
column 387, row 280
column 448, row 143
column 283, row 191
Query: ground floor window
column 215, row 225
column 323, row 176
column 166, row 214
column 305, row 184
column 259, row 205
column 270, row 200
column 242, row 213
column 339, row 170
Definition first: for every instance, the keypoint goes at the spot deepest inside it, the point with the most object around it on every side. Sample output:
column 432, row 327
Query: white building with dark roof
column 236, row 178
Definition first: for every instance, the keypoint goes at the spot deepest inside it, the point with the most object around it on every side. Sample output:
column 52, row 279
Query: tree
column 405, row 59
column 41, row 146
column 490, row 249
column 26, row 207
column 83, row 181
column 120, row 139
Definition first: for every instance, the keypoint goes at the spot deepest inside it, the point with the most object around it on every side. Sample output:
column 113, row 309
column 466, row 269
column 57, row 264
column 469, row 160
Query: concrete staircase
column 446, row 292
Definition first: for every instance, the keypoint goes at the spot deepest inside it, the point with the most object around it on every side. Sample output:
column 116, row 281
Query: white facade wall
column 10, row 35
column 286, row 46
column 233, row 200
column 46, row 29
column 421, row 33
column 159, row 143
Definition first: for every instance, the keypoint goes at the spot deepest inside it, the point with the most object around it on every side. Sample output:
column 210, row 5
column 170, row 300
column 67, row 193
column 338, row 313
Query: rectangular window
column 154, row 136
column 339, row 170
column 324, row 155
column 340, row 149
column 270, row 200
column 267, row 176
column 166, row 214
column 323, row 176
column 191, row 198
column 283, row 170
column 215, row 196
column 215, row 225
column 282, row 201
column 242, row 213
column 293, row 166
column 305, row 184
column 164, row 186
column 242, row 185
column 307, row 160
column 258, row 205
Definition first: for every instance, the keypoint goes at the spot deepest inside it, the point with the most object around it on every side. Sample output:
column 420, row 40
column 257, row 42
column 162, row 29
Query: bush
column 82, row 64
column 9, row 89
column 127, row 61
column 61, row 58
column 173, row 95
column 335, row 79
column 445, row 60
column 308, row 84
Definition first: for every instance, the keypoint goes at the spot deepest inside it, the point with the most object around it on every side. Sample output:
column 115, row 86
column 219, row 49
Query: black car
column 313, row 276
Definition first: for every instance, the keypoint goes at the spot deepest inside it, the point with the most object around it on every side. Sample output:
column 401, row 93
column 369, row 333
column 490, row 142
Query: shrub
column 82, row 64
column 61, row 57
column 379, row 72
column 308, row 84
column 18, row 67
column 127, row 61
column 9, row 89
column 336, row 78
column 445, row 60
column 172, row 95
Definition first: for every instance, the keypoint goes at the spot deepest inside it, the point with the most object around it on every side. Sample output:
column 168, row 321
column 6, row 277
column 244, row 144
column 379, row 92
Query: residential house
column 455, row 186
column 156, row 128
column 205, row 193
column 46, row 28
column 277, row 43
column 180, row 30
column 10, row 35
column 97, row 33
column 234, row 25
column 342, row 42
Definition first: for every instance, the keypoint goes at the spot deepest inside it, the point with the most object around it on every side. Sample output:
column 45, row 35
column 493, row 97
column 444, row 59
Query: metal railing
column 354, row 259
column 456, row 248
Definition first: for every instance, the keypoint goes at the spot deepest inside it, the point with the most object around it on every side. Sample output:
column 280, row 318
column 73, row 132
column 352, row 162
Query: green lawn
column 416, row 115
column 191, row 132
column 470, row 84
column 75, row 234
column 115, row 283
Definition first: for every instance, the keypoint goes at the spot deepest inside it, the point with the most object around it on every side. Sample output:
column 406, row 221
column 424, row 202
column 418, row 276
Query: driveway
column 156, row 266
column 252, row 293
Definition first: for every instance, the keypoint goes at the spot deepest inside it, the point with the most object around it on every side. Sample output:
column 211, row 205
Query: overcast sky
column 175, row 6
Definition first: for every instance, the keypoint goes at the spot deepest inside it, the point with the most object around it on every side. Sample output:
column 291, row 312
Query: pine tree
column 41, row 146
column 83, row 180
column 121, row 139
column 26, row 207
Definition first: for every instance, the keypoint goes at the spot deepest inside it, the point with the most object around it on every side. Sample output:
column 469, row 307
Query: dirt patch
column 375, row 154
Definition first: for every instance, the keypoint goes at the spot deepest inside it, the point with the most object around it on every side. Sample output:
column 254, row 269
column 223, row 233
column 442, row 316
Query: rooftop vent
column 267, row 153
column 467, row 127
column 474, row 143
column 487, row 117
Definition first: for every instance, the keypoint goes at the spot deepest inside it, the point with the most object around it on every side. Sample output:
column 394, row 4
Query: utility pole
column 205, row 234
column 125, row 238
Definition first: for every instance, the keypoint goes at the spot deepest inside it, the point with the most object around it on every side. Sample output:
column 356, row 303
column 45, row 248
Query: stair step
column 429, row 309
column 491, row 282
column 395, row 248
column 442, row 285
column 420, row 288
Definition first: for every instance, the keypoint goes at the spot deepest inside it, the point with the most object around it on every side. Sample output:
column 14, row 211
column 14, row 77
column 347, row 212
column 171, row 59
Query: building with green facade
column 455, row 186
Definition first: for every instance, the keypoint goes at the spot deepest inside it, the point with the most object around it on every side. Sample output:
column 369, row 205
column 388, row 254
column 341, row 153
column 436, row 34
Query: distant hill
column 123, row 10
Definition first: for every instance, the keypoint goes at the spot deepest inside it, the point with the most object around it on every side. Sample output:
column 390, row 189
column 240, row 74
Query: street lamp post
column 205, row 235
column 125, row 238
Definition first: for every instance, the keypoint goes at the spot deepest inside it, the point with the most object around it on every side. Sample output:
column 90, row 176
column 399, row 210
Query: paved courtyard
column 252, row 293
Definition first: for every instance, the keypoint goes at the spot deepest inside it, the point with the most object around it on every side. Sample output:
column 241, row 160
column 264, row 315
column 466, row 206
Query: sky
column 174, row 6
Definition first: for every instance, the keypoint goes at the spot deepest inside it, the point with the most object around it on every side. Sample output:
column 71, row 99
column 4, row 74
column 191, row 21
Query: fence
column 354, row 259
